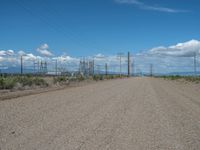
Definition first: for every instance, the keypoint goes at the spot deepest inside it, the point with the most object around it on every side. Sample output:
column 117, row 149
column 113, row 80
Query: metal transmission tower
column 96, row 65
column 45, row 67
column 91, row 68
column 195, row 64
column 38, row 67
column 120, row 55
column 98, row 69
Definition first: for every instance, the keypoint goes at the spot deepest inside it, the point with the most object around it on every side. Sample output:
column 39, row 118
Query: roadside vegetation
column 8, row 82
column 195, row 79
column 21, row 82
column 107, row 77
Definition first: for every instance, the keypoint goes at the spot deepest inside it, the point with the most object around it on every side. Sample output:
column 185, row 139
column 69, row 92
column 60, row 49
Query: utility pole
column 129, row 65
column 45, row 67
column 151, row 70
column 34, row 67
column 56, row 67
column 120, row 61
column 195, row 64
column 38, row 66
column 93, row 67
column 21, row 65
column 106, row 69
column 133, row 68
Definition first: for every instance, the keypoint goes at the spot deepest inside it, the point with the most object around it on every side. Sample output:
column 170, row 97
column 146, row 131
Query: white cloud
column 30, row 57
column 186, row 49
column 99, row 55
column 44, row 50
column 129, row 2
column 165, row 59
column 1, row 59
column 21, row 53
column 144, row 6
column 174, row 58
column 2, row 53
column 66, row 59
column 10, row 52
column 6, row 52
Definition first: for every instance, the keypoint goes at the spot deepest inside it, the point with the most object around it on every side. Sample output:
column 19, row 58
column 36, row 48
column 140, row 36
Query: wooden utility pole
column 129, row 65
column 120, row 62
column 151, row 70
column 106, row 69
column 133, row 68
column 93, row 67
column 34, row 66
column 195, row 64
column 21, row 65
column 56, row 67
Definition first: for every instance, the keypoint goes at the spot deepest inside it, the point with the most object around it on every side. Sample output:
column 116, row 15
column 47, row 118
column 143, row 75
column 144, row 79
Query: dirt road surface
column 124, row 114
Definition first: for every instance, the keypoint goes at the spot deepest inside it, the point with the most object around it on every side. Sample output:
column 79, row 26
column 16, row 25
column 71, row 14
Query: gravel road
column 124, row 114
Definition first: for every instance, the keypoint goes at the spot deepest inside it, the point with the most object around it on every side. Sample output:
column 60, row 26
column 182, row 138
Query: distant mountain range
column 17, row 70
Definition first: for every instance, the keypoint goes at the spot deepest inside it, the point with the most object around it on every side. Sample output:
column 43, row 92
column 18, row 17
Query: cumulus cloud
column 186, row 49
column 6, row 52
column 144, row 6
column 29, row 56
column 167, row 59
column 21, row 53
column 66, row 59
column 44, row 50
column 99, row 55
column 1, row 59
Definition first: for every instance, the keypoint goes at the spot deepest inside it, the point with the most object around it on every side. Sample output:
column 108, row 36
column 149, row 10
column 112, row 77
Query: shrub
column 96, row 77
column 187, row 78
column 39, row 82
column 12, row 81
column 7, row 83
column 80, row 78
column 60, row 79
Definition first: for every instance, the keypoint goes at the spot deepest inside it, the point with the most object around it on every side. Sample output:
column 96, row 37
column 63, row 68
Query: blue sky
column 160, row 32
column 89, row 27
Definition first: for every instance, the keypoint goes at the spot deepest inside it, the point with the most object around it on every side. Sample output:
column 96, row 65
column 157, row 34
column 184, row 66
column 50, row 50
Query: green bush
column 40, row 82
column 60, row 79
column 10, row 82
column 187, row 78
column 80, row 78
column 7, row 83
column 96, row 77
